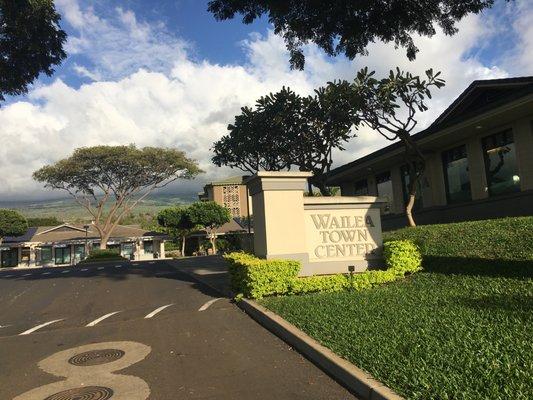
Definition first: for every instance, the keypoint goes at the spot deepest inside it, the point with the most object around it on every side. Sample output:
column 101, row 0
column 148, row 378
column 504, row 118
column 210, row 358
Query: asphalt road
column 136, row 331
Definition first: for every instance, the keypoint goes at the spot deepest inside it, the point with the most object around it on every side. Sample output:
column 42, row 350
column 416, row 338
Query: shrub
column 255, row 278
column 402, row 256
column 102, row 255
column 173, row 253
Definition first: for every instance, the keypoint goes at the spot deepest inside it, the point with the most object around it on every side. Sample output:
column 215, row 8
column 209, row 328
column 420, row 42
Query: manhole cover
column 85, row 393
column 96, row 357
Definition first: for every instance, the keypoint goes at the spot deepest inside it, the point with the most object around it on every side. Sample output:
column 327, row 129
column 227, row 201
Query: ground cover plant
column 103, row 255
column 461, row 329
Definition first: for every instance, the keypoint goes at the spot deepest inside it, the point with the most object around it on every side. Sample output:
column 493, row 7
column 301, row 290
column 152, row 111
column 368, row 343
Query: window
column 46, row 254
column 25, row 255
column 500, row 163
column 456, row 176
column 149, row 246
column 384, row 186
column 79, row 252
column 128, row 250
column 231, row 199
column 62, row 255
column 10, row 257
column 361, row 188
column 406, row 179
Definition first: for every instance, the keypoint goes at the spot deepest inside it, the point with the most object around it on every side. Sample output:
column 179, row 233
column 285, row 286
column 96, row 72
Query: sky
column 166, row 73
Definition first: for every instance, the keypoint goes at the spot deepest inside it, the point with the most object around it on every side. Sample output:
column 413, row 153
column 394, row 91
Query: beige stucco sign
column 327, row 234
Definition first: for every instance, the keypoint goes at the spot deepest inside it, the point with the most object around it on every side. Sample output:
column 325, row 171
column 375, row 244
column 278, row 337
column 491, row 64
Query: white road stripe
column 118, row 266
column 100, row 268
column 40, row 326
column 96, row 321
column 151, row 262
column 65, row 271
column 46, row 273
column 158, row 310
column 84, row 269
column 27, row 275
column 206, row 305
column 7, row 276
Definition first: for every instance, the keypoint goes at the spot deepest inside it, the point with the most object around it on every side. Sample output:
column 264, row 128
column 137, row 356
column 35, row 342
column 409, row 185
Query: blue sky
column 166, row 73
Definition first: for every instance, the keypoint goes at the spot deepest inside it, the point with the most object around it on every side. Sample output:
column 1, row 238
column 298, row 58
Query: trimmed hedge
column 255, row 278
column 103, row 255
column 494, row 239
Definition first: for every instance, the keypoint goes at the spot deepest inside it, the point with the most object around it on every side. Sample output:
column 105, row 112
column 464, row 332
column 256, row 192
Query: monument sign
column 327, row 234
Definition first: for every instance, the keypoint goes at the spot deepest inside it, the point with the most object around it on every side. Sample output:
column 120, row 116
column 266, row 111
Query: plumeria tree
column 177, row 222
column 210, row 216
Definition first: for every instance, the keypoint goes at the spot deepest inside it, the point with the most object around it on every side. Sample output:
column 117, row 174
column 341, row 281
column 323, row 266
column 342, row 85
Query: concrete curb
column 354, row 379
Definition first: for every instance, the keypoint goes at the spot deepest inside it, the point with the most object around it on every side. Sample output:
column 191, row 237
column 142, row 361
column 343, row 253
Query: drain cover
column 85, row 393
column 96, row 357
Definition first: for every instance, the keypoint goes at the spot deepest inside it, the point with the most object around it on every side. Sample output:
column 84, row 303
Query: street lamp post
column 86, row 227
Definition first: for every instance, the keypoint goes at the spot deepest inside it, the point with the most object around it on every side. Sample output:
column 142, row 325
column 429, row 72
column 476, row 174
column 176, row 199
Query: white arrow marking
column 96, row 321
column 40, row 326
column 157, row 310
column 206, row 305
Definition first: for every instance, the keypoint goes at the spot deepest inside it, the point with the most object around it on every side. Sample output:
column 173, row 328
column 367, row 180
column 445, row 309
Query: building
column 478, row 160
column 230, row 193
column 66, row 245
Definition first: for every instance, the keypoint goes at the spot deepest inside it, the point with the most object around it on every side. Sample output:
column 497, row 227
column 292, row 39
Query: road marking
column 158, row 310
column 100, row 268
column 118, row 266
column 96, row 321
column 27, row 275
column 7, row 276
column 84, row 269
column 40, row 326
column 206, row 305
column 151, row 262
column 45, row 273
column 4, row 326
column 65, row 271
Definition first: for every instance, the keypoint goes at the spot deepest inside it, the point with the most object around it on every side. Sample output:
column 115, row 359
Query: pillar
column 476, row 165
column 523, row 137
column 277, row 201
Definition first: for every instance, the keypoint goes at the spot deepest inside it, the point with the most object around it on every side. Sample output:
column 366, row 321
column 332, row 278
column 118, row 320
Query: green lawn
column 434, row 335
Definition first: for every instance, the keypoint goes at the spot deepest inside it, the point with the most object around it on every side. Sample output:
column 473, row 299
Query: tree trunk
column 409, row 209
column 183, row 245
column 309, row 188
column 103, row 241
column 213, row 242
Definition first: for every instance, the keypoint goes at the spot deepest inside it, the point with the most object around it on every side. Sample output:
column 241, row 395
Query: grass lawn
column 453, row 335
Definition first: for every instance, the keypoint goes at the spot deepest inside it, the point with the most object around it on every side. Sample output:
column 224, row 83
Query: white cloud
column 148, row 89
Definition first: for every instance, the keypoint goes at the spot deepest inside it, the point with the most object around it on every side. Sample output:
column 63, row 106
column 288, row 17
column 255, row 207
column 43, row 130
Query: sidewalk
column 210, row 270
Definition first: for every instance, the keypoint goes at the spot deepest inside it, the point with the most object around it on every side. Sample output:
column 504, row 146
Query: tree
column 211, row 216
column 44, row 221
column 348, row 26
column 177, row 222
column 389, row 106
column 286, row 130
column 109, row 181
column 31, row 42
column 12, row 223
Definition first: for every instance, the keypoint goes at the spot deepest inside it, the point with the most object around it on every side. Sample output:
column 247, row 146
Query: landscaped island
column 461, row 329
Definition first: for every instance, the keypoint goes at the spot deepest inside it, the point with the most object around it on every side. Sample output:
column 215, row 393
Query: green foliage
column 31, row 42
column 44, row 221
column 348, row 27
column 432, row 336
column 471, row 245
column 120, row 175
column 103, row 255
column 209, row 214
column 12, row 223
column 402, row 256
column 286, row 129
column 255, row 278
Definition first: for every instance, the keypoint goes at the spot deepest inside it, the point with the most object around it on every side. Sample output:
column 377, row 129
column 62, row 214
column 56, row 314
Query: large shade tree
column 109, row 181
column 31, row 42
column 286, row 130
column 349, row 26
column 12, row 223
column 210, row 216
